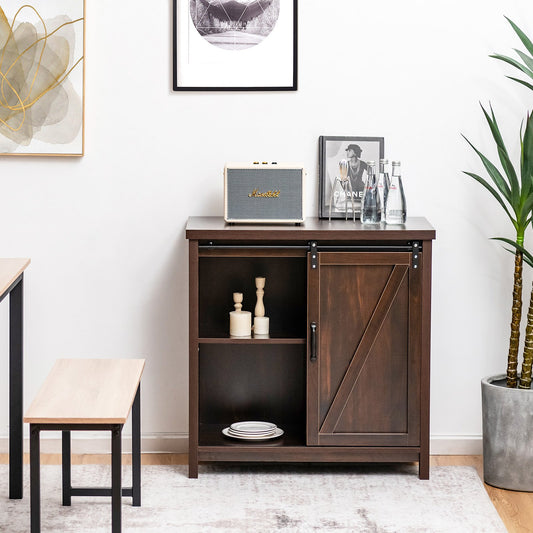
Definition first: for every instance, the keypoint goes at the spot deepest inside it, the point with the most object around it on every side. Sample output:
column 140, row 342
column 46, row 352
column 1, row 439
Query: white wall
column 106, row 232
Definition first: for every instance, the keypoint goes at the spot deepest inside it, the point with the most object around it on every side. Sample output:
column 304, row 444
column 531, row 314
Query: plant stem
column 512, row 359
column 525, row 376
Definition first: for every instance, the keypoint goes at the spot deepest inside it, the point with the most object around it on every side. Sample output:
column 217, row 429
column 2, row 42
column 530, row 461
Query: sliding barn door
column 363, row 366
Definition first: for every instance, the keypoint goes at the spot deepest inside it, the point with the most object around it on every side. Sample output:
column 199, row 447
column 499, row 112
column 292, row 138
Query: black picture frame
column 292, row 84
column 330, row 151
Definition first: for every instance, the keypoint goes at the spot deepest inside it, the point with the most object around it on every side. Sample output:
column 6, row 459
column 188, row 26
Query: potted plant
column 507, row 400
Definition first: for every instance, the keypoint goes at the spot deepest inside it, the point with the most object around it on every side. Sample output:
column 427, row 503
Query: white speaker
column 264, row 192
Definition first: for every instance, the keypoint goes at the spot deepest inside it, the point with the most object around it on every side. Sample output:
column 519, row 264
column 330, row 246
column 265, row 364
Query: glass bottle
column 341, row 192
column 395, row 206
column 383, row 184
column 370, row 203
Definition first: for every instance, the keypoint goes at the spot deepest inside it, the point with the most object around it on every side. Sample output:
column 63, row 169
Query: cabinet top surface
column 199, row 228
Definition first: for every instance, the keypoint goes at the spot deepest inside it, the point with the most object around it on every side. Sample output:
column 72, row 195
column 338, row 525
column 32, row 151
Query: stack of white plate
column 253, row 430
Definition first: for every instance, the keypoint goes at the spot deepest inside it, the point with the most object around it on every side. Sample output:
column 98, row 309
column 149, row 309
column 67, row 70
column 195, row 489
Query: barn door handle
column 313, row 341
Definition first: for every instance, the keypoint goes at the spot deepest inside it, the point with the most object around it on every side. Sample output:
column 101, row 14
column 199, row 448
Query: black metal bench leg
column 15, row 389
column 116, row 479
column 66, row 469
column 35, row 480
column 136, row 448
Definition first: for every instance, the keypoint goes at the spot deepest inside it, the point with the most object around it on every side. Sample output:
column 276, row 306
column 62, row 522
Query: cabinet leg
column 193, row 465
column 423, row 466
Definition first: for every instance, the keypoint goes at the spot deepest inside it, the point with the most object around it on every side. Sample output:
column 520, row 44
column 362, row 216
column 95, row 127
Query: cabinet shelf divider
column 228, row 340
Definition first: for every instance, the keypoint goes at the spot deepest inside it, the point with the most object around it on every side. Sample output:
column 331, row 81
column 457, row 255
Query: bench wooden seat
column 88, row 394
column 82, row 391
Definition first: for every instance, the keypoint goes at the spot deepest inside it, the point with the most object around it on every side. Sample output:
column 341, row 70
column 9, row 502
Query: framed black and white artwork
column 341, row 184
column 235, row 45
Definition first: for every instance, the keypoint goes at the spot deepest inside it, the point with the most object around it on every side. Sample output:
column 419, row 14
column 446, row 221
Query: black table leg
column 116, row 479
column 65, row 462
column 136, row 448
column 15, row 390
column 35, row 480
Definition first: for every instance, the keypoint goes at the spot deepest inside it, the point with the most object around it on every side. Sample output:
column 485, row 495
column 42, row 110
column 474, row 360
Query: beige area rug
column 288, row 498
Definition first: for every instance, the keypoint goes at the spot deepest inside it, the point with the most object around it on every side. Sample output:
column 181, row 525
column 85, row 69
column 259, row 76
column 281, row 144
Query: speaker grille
column 243, row 204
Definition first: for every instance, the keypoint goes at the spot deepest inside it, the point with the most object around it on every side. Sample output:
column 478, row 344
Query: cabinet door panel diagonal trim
column 363, row 349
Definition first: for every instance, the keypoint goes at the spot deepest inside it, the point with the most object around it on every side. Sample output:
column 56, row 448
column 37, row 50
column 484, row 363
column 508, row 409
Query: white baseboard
column 97, row 442
column 84, row 442
column 456, row 445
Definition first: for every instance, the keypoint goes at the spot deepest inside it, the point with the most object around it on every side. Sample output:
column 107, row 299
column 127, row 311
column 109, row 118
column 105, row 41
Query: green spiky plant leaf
column 525, row 64
column 515, row 196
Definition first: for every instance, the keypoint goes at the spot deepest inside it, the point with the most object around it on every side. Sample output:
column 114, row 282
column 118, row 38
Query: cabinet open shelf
column 220, row 277
column 251, row 382
column 210, row 435
column 252, row 341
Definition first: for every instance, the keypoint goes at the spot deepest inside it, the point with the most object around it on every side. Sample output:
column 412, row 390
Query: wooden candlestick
column 237, row 299
column 259, row 306
column 261, row 322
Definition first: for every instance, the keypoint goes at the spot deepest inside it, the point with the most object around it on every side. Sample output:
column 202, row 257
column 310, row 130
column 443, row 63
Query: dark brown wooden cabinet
column 345, row 371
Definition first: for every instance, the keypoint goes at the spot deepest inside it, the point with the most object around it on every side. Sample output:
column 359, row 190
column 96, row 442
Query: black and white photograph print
column 235, row 45
column 343, row 171
column 234, row 24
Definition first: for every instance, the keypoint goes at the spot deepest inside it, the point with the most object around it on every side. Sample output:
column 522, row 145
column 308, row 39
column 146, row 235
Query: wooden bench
column 88, row 394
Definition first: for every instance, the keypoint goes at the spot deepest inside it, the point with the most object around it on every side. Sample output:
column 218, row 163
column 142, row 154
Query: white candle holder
column 240, row 322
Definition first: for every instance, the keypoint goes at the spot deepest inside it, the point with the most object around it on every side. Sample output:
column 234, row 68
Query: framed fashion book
column 354, row 152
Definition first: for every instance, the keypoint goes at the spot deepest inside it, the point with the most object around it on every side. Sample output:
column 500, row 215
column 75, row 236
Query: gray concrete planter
column 507, row 435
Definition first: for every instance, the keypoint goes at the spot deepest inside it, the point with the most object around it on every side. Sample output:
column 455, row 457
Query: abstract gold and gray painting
column 40, row 109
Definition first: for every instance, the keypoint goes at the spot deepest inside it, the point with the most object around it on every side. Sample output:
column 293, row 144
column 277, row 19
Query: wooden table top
column 10, row 270
column 207, row 228
column 87, row 391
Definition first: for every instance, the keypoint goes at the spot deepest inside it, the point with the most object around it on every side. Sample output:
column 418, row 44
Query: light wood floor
column 515, row 508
